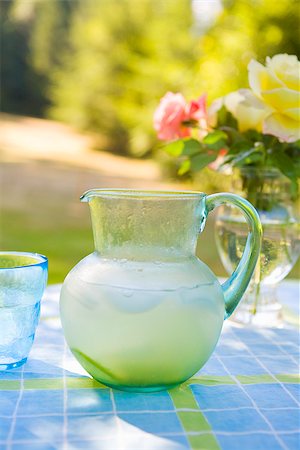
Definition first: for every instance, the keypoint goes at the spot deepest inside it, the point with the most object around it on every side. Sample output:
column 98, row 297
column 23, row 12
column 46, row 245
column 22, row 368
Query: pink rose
column 197, row 109
column 172, row 111
column 198, row 112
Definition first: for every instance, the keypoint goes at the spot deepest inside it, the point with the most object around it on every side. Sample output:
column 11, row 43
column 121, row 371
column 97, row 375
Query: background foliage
column 246, row 29
column 103, row 64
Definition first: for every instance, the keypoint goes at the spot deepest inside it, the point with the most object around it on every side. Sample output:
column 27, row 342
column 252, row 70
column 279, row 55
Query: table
column 245, row 397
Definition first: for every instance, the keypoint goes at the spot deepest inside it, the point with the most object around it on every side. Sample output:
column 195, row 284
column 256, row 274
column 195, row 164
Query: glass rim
column 40, row 260
column 141, row 194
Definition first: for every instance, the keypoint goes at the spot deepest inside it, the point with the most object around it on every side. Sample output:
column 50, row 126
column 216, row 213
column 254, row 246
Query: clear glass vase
column 270, row 193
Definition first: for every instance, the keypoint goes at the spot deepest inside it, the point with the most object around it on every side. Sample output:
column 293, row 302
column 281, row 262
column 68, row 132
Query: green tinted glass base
column 141, row 389
column 101, row 374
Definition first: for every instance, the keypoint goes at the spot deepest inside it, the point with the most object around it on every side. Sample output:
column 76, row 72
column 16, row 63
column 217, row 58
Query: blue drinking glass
column 23, row 277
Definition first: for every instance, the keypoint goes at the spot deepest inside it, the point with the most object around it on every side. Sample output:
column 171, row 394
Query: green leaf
column 174, row 148
column 185, row 167
column 215, row 136
column 284, row 163
column 293, row 151
column 254, row 136
column 270, row 141
column 216, row 140
column 226, row 118
column 297, row 169
column 202, row 160
column 296, row 144
column 240, row 147
column 233, row 135
column 191, row 147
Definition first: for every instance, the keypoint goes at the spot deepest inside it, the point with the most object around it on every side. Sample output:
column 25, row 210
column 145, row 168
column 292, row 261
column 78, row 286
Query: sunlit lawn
column 40, row 209
column 65, row 245
column 41, row 212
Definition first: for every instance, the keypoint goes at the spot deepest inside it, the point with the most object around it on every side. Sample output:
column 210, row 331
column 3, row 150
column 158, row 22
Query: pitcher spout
column 124, row 220
column 88, row 195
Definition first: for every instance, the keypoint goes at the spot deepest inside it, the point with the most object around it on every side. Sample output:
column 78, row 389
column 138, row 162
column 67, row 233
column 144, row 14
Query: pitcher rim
column 141, row 194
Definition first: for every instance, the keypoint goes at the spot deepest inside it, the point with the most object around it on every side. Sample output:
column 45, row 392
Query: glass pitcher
column 143, row 313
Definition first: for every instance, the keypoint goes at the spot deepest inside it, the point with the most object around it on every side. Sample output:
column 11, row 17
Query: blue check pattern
column 246, row 396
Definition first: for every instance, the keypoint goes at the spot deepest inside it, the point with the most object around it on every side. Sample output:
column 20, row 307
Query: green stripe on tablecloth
column 182, row 397
column 84, row 383
column 284, row 378
column 267, row 379
column 290, row 316
column 204, row 441
column 90, row 383
column 193, row 421
column 10, row 385
column 43, row 383
column 211, row 380
column 51, row 383
column 256, row 379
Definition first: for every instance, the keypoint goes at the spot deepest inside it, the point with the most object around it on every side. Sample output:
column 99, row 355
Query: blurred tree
column 246, row 29
column 20, row 87
column 104, row 64
column 125, row 56
column 33, row 34
column 49, row 37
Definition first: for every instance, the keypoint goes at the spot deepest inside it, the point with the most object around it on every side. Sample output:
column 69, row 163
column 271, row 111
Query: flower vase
column 271, row 194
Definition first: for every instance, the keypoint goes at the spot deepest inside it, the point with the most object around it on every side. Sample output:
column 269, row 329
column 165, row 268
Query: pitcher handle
column 237, row 284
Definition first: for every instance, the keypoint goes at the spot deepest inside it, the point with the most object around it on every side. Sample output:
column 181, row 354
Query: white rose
column 278, row 87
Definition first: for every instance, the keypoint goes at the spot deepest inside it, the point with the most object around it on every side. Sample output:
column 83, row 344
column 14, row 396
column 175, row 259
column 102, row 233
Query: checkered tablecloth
column 246, row 397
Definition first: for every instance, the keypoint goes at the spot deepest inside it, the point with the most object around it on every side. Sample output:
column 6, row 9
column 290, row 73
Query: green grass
column 63, row 245
column 65, row 240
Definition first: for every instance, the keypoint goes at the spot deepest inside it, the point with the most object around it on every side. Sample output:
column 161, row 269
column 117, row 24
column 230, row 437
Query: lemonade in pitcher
column 142, row 312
